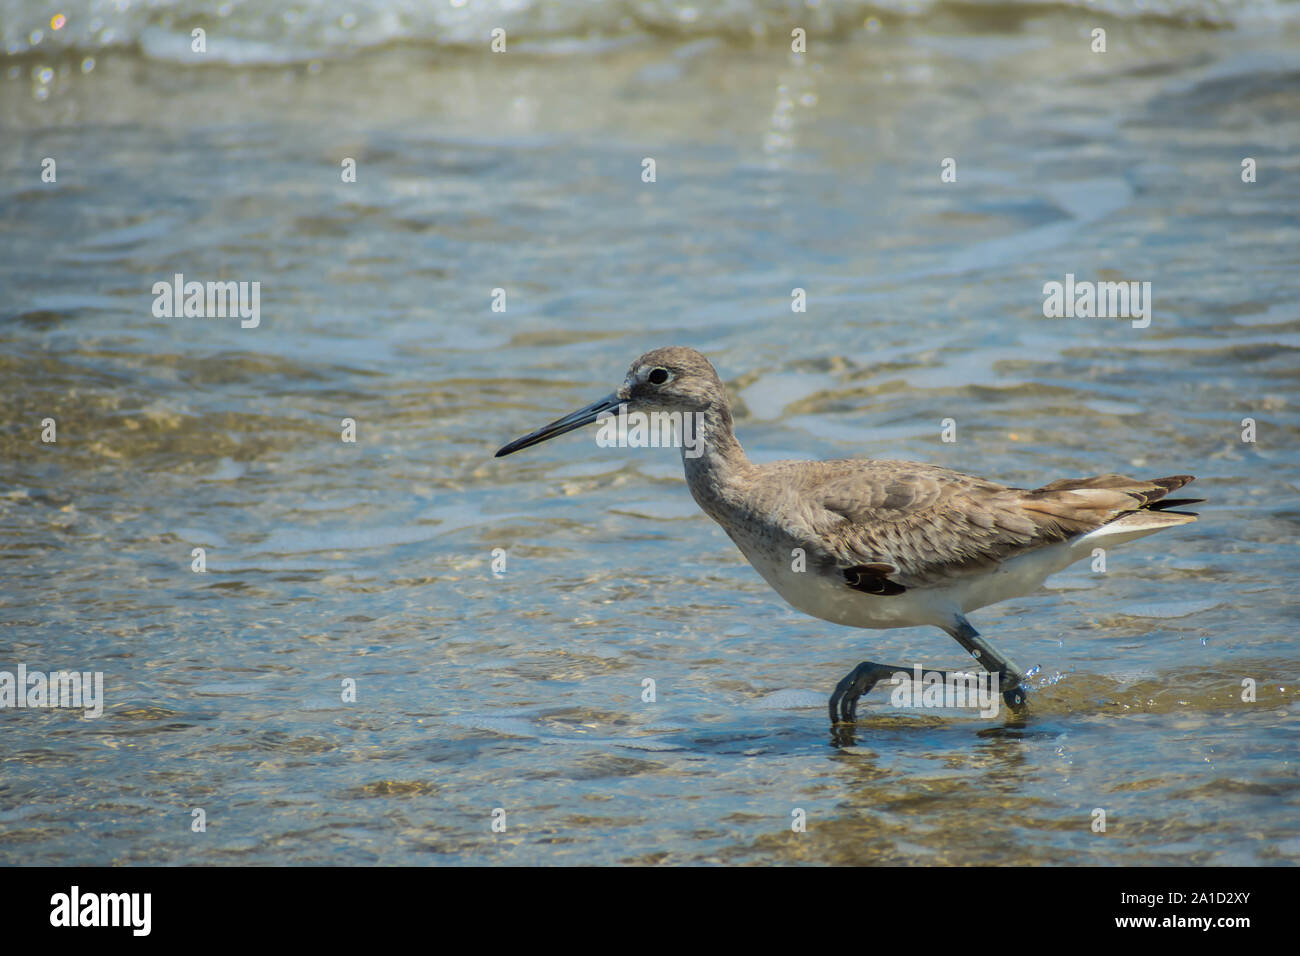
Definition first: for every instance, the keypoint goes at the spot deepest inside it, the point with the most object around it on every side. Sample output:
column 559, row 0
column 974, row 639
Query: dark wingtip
column 873, row 579
column 1164, row 503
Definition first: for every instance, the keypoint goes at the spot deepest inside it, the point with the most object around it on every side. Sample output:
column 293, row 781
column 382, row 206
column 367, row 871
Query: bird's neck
column 714, row 461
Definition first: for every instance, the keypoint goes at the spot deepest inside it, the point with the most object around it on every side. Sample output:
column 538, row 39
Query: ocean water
column 520, row 688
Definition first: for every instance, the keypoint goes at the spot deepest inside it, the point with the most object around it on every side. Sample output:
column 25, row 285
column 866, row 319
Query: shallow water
column 522, row 690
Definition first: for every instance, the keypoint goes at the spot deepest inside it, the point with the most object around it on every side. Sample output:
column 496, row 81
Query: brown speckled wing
column 932, row 524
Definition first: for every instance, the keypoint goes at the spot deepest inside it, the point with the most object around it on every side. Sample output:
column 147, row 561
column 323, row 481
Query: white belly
column 831, row 599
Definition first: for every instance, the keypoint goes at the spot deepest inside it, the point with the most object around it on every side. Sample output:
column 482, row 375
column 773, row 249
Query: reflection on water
column 373, row 561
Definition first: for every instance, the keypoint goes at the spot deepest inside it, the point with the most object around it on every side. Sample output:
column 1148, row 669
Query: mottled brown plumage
column 932, row 523
column 928, row 523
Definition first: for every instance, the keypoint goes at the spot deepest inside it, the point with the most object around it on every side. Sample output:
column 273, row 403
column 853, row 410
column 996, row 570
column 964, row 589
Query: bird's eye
column 658, row 376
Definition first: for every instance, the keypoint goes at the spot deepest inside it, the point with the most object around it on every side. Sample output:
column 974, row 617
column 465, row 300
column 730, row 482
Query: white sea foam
column 282, row 31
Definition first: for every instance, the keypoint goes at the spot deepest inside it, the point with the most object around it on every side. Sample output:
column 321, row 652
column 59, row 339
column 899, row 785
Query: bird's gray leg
column 860, row 680
column 992, row 660
column 844, row 702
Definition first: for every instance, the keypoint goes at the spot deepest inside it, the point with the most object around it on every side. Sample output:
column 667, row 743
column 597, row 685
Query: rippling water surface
column 522, row 690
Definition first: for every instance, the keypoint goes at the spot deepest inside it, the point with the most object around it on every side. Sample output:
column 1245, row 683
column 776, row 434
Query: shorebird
column 882, row 544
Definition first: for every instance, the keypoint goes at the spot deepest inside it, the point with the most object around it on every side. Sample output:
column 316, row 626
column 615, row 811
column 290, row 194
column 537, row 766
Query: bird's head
column 672, row 379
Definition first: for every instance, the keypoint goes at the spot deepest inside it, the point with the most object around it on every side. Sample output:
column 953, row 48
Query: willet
column 882, row 544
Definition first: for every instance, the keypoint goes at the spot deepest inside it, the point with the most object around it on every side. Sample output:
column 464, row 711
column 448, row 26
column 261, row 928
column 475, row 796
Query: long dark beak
column 583, row 416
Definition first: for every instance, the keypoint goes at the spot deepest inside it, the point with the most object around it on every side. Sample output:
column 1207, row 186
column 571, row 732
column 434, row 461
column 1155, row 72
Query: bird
column 878, row 544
